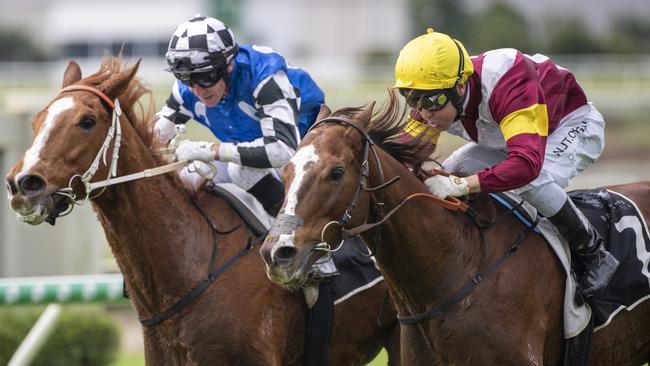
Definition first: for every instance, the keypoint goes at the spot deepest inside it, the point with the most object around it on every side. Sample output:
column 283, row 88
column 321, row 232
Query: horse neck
column 423, row 240
column 157, row 237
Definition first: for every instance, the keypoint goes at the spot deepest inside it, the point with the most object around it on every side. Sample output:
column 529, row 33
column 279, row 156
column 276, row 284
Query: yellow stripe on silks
column 416, row 128
column 533, row 119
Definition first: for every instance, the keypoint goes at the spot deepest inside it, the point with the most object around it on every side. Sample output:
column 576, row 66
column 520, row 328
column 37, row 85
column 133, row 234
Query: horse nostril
column 11, row 187
column 31, row 184
column 284, row 255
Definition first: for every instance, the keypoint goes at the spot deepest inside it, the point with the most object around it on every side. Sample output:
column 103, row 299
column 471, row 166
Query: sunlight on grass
column 380, row 360
column 129, row 359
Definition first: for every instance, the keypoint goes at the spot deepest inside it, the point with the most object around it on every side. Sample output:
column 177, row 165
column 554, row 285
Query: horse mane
column 141, row 119
column 386, row 130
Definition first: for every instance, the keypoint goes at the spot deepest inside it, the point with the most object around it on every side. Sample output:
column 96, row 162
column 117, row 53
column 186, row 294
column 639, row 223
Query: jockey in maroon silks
column 530, row 129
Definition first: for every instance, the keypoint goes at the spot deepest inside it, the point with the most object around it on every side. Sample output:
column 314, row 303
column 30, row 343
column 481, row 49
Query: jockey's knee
column 548, row 198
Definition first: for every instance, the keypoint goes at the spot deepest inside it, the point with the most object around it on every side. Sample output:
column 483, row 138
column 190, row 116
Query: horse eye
column 87, row 122
column 337, row 173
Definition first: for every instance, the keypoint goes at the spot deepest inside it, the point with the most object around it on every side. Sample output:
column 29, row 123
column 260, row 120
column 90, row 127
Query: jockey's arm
column 277, row 106
column 171, row 114
column 525, row 132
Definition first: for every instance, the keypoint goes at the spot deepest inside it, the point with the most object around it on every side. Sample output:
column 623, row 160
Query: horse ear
column 72, row 74
column 366, row 115
column 116, row 85
column 324, row 112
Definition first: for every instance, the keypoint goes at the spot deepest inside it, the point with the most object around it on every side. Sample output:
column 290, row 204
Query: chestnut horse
column 427, row 252
column 166, row 240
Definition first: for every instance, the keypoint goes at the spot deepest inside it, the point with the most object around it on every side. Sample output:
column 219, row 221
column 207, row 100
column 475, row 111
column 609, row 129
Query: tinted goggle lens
column 203, row 79
column 433, row 102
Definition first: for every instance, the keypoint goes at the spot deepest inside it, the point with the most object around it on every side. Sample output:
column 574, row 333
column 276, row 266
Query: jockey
column 530, row 127
column 256, row 104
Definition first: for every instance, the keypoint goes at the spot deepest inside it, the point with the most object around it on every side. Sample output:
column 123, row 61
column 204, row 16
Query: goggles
column 432, row 102
column 203, row 79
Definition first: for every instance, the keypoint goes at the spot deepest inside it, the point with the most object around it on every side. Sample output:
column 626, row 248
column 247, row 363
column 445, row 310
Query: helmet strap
column 457, row 100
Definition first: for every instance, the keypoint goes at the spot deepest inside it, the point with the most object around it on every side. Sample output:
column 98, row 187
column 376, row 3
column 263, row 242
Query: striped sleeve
column 277, row 105
column 174, row 109
column 518, row 104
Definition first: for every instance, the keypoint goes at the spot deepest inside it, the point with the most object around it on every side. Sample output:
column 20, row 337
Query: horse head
column 328, row 181
column 68, row 134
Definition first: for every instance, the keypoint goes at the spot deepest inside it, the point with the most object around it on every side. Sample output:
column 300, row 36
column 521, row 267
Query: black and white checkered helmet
column 201, row 44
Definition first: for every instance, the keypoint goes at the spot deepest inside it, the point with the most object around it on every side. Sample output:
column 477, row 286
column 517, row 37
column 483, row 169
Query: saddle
column 619, row 222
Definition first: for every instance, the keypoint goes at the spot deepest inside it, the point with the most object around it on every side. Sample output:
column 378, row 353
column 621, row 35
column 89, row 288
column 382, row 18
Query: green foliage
column 83, row 336
column 17, row 46
column 499, row 26
column 225, row 10
column 629, row 35
column 571, row 36
column 446, row 16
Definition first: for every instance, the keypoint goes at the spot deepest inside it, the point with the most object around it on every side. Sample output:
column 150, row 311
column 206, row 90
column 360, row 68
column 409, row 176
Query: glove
column 195, row 150
column 443, row 187
column 164, row 130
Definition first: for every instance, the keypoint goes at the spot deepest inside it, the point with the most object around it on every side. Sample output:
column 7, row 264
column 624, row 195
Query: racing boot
column 594, row 265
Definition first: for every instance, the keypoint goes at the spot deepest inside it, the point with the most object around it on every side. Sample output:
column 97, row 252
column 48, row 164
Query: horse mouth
column 295, row 276
column 33, row 217
column 34, row 212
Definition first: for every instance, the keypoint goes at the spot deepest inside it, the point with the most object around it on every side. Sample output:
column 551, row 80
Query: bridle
column 450, row 203
column 113, row 135
column 369, row 146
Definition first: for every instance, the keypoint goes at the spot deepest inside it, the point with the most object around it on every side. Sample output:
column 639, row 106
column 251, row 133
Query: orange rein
column 451, row 203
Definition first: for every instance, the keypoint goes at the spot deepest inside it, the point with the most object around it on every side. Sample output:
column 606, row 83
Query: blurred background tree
column 17, row 46
column 571, row 36
column 447, row 16
column 629, row 35
column 499, row 26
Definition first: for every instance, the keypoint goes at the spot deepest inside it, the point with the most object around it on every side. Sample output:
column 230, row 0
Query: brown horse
column 428, row 252
column 167, row 239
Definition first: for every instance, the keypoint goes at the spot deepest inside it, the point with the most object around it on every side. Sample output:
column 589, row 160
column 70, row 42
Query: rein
column 450, row 203
column 210, row 278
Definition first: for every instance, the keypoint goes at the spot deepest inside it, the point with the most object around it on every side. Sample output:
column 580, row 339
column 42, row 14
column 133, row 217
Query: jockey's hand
column 444, row 187
column 196, row 150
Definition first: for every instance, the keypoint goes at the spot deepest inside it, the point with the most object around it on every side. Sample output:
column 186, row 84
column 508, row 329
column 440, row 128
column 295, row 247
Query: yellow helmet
column 432, row 61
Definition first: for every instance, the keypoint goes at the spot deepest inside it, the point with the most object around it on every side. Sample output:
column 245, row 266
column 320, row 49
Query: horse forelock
column 130, row 99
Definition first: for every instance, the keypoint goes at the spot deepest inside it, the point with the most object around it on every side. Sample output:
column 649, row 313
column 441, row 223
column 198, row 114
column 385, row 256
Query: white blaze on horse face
column 303, row 157
column 33, row 155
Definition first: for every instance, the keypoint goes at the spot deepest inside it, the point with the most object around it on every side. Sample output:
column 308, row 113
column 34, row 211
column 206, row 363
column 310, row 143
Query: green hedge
column 84, row 335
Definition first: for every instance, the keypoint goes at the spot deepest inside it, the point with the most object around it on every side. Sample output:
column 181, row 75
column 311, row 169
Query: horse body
column 426, row 253
column 163, row 243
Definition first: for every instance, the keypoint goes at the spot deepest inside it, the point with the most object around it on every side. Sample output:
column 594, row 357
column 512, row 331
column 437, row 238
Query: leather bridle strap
column 95, row 91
